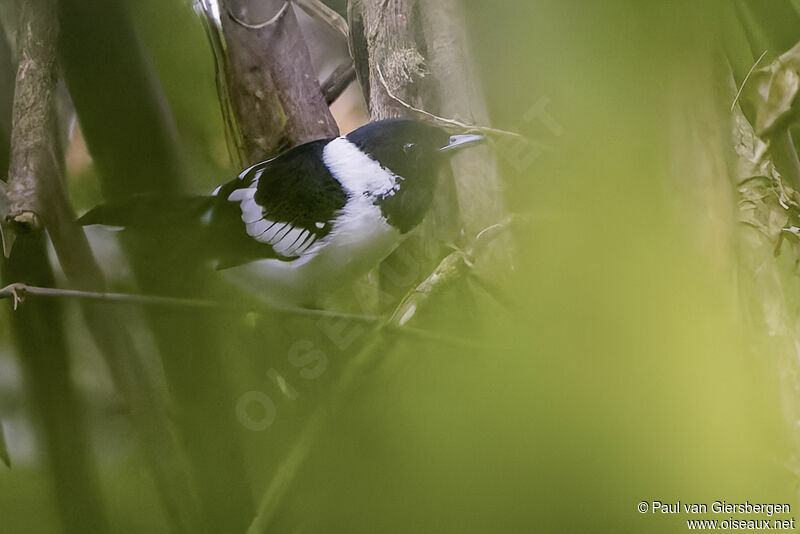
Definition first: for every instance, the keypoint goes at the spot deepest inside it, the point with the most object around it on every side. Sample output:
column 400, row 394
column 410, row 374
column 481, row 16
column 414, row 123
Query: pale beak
column 457, row 142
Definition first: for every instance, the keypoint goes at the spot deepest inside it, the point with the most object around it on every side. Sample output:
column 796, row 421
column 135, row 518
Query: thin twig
column 18, row 292
column 744, row 82
column 260, row 25
column 448, row 270
column 443, row 120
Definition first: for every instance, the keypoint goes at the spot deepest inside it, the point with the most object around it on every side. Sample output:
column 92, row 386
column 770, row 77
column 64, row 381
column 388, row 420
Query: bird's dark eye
column 408, row 147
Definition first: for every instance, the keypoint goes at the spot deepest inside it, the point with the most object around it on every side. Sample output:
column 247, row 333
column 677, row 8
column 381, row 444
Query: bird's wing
column 287, row 203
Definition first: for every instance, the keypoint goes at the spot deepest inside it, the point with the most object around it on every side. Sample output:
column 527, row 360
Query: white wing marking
column 297, row 242
column 256, row 229
column 284, row 238
column 306, row 243
column 269, row 236
column 284, row 246
column 242, row 194
column 251, row 212
column 301, row 239
column 279, row 237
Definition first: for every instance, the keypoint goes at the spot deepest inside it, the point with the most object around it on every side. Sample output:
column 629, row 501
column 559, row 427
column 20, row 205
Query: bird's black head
column 408, row 148
column 414, row 151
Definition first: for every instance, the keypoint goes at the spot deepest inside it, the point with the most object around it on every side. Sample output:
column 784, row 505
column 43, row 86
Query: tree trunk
column 419, row 52
column 274, row 92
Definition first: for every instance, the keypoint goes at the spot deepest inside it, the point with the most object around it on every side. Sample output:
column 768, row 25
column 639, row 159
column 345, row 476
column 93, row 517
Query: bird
column 311, row 220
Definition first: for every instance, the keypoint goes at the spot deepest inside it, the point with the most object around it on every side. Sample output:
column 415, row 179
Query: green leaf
column 3, row 449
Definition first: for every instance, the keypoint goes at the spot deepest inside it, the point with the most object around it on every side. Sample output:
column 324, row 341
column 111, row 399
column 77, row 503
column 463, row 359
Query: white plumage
column 359, row 238
column 323, row 212
column 357, row 172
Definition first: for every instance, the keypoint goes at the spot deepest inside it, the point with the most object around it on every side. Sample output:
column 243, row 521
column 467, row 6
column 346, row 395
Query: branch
column 747, row 77
column 390, row 58
column 445, row 121
column 258, row 26
column 459, row 94
column 339, row 80
column 384, row 32
column 275, row 96
column 40, row 335
column 449, row 270
column 17, row 292
column 32, row 117
column 131, row 134
column 7, row 72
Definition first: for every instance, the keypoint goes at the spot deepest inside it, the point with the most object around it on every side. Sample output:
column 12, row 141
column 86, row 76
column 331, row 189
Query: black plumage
column 319, row 214
column 293, row 191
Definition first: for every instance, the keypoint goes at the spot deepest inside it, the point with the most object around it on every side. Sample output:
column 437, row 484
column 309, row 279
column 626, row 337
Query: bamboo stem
column 35, row 166
column 275, row 96
column 56, row 407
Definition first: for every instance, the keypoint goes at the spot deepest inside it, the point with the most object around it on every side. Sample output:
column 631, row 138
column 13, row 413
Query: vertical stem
column 57, row 410
column 39, row 330
column 459, row 95
column 271, row 82
column 390, row 53
column 32, row 115
column 131, row 135
column 423, row 52
column 38, row 198
column 7, row 74
column 384, row 34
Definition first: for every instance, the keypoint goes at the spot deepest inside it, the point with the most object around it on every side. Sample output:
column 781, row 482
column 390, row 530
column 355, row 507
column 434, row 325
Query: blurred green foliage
column 623, row 371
